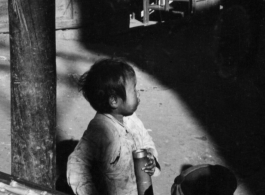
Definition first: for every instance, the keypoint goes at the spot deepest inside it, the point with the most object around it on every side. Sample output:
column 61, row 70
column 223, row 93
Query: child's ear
column 113, row 101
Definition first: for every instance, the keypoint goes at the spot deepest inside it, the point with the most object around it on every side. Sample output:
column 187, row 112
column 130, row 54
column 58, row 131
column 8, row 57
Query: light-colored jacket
column 102, row 163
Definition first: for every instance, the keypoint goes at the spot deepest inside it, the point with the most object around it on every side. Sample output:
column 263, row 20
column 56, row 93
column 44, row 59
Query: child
column 102, row 161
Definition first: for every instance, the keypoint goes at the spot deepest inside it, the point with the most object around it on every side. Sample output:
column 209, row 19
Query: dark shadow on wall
column 63, row 150
column 100, row 17
column 180, row 55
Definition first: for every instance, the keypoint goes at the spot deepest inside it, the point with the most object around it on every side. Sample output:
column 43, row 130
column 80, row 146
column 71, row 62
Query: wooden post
column 33, row 90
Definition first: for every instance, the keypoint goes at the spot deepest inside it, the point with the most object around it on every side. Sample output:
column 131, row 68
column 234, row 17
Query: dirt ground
column 194, row 116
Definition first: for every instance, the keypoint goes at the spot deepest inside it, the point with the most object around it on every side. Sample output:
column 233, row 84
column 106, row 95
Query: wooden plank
column 6, row 178
column 67, row 15
column 71, row 14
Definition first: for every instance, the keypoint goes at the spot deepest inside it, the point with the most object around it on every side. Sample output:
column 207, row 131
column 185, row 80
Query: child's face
column 129, row 106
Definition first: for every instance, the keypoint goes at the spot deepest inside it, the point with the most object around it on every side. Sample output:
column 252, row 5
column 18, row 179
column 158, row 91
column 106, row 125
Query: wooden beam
column 21, row 183
column 33, row 90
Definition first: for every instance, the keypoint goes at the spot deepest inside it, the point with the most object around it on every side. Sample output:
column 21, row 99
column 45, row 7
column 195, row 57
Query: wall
column 69, row 14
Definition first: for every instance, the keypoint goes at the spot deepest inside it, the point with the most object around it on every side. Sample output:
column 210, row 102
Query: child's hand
column 150, row 166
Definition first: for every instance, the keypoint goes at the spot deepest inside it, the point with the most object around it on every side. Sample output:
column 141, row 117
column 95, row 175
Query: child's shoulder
column 102, row 126
column 133, row 122
column 100, row 120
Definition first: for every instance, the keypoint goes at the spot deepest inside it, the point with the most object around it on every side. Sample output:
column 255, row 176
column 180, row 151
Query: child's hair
column 106, row 78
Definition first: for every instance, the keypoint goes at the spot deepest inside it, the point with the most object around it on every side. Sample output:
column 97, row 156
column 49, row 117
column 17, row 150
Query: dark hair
column 106, row 78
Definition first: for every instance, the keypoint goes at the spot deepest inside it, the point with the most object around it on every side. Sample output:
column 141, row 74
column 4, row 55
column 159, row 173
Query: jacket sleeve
column 97, row 146
column 140, row 133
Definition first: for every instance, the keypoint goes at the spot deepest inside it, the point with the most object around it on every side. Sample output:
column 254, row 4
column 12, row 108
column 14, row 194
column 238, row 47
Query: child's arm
column 137, row 128
column 152, row 167
column 98, row 145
